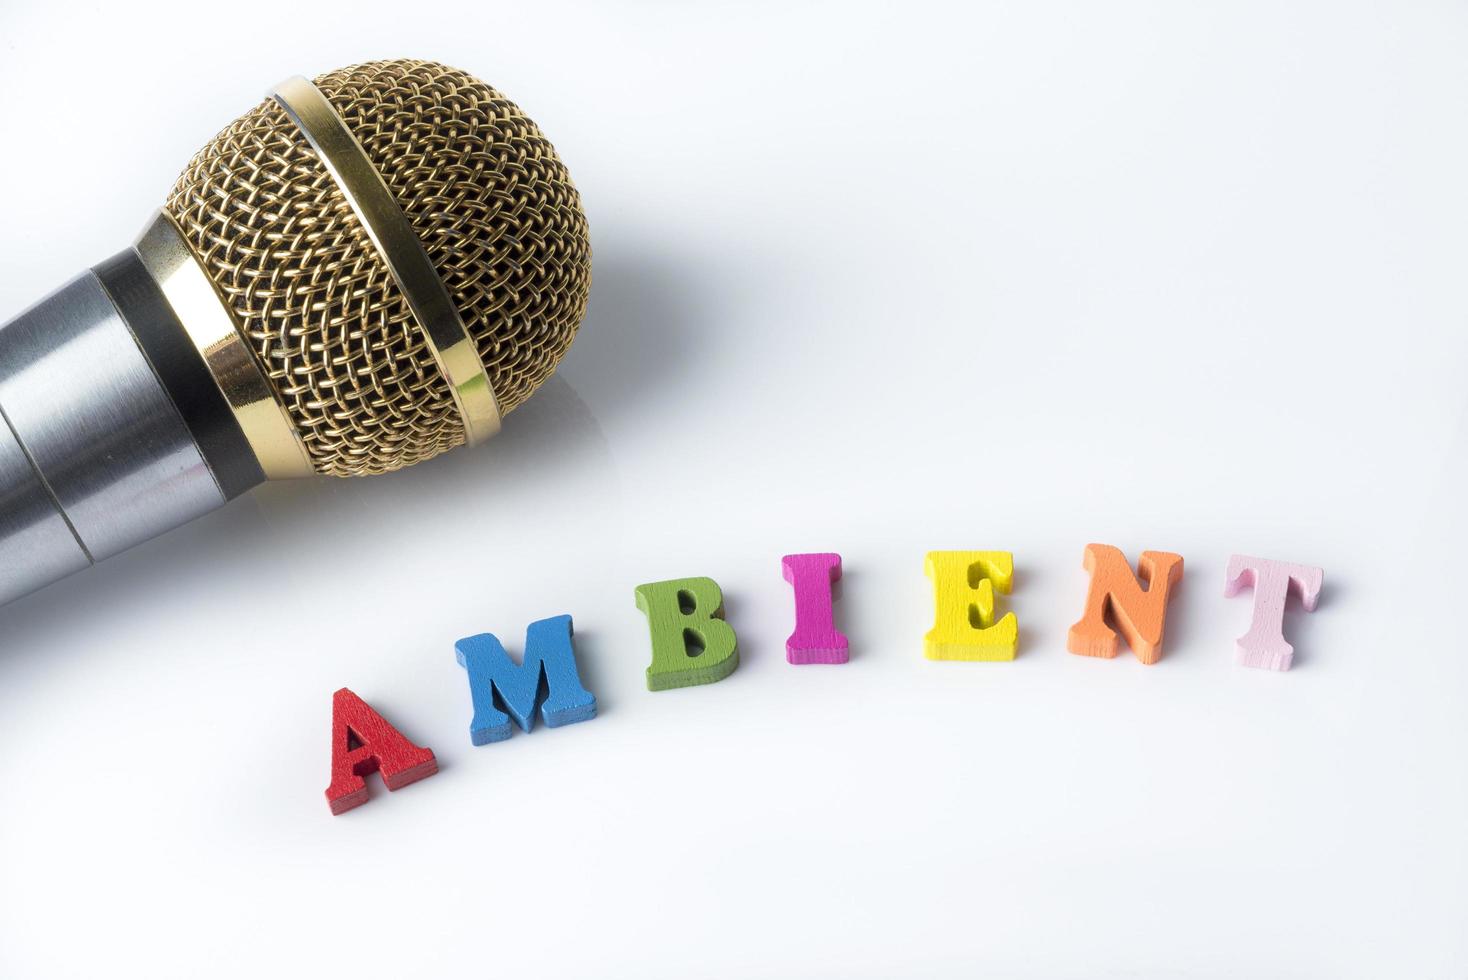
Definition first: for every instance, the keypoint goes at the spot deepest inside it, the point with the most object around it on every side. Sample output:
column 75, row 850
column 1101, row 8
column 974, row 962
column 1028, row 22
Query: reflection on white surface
column 552, row 441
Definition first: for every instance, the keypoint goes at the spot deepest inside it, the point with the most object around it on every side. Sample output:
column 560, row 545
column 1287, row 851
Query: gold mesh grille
column 486, row 194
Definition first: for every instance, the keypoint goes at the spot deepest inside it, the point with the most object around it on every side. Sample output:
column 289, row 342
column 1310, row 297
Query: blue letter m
column 519, row 687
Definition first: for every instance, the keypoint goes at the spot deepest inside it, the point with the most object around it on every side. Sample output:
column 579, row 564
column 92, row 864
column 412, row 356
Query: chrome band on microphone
column 37, row 546
column 393, row 237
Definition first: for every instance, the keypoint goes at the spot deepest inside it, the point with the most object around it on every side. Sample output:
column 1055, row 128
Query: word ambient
column 692, row 644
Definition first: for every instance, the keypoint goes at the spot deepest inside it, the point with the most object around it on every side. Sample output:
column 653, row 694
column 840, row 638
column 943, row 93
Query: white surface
column 871, row 278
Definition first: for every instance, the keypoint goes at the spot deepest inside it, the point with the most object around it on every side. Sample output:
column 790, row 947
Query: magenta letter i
column 815, row 640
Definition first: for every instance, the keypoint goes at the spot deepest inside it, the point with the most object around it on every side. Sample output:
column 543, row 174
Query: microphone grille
column 486, row 195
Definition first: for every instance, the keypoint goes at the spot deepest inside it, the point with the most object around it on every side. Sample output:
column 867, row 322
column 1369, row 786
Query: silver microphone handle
column 100, row 444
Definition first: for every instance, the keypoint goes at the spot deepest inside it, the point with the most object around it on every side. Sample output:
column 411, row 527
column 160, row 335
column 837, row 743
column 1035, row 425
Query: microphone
column 360, row 273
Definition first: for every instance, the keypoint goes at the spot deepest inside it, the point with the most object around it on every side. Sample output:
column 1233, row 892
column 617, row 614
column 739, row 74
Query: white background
column 870, row 278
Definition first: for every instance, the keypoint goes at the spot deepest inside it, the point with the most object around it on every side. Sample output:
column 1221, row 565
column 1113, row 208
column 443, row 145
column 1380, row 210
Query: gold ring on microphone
column 392, row 235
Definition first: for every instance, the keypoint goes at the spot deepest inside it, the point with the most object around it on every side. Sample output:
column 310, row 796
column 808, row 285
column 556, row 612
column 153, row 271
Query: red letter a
column 361, row 741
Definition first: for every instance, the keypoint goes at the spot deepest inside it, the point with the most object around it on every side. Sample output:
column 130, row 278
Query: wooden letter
column 1264, row 645
column 361, row 742
column 964, row 627
column 1114, row 594
column 691, row 643
column 816, row 639
column 548, row 656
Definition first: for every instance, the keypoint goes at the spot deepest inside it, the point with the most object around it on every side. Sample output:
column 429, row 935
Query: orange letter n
column 1115, row 595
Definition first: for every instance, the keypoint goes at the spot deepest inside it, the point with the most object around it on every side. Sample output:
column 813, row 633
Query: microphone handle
column 114, row 429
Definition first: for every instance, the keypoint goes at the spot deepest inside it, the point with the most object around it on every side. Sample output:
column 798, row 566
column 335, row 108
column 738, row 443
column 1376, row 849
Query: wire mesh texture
column 489, row 199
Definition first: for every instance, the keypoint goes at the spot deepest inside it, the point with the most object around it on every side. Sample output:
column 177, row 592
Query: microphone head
column 321, row 311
